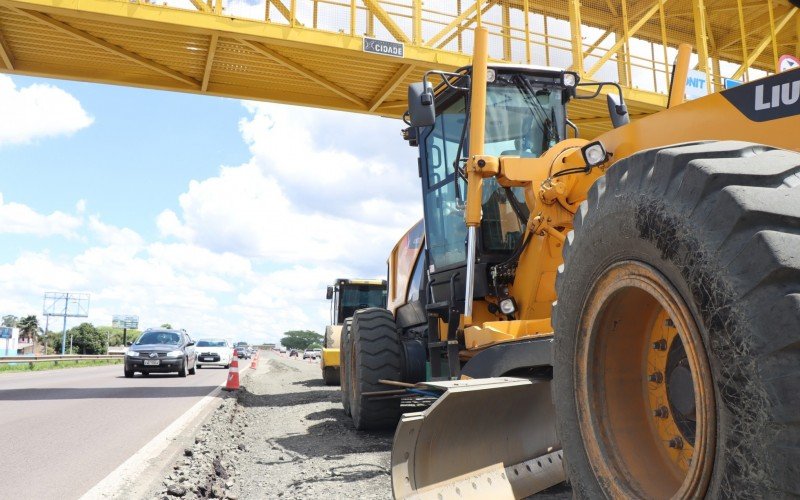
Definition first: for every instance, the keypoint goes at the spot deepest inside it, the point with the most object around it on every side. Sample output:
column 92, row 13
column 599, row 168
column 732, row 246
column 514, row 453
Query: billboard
column 125, row 321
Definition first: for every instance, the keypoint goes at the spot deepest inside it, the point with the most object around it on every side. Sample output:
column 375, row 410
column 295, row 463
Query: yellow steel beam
column 754, row 25
column 612, row 9
column 416, row 16
column 663, row 24
column 390, row 86
column 455, row 22
column 772, row 36
column 764, row 43
column 395, row 30
column 109, row 47
column 199, row 5
column 212, row 49
column 575, row 34
column 742, row 32
column 526, row 16
column 702, row 39
column 505, row 11
column 193, row 22
column 620, row 42
column 624, row 64
column 285, row 11
column 5, row 53
column 285, row 61
column 475, row 18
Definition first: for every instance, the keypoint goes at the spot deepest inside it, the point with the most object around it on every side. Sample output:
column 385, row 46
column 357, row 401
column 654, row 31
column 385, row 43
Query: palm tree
column 28, row 327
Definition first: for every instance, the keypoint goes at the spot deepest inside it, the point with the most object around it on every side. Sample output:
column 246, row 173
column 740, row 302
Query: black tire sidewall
column 610, row 229
column 369, row 413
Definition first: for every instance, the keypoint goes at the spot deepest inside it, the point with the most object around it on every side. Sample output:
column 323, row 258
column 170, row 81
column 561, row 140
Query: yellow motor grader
column 623, row 312
column 346, row 296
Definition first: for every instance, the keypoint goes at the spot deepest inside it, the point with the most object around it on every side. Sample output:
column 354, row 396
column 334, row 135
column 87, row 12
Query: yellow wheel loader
column 346, row 296
column 624, row 313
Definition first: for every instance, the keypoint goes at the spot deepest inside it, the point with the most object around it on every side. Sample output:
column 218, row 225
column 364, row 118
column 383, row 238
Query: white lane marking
column 124, row 476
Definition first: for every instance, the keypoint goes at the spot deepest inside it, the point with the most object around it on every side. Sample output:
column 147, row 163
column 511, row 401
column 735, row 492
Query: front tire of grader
column 677, row 345
column 330, row 375
column 375, row 355
column 345, row 365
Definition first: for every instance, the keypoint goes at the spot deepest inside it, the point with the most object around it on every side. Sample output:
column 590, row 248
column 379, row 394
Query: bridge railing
column 630, row 42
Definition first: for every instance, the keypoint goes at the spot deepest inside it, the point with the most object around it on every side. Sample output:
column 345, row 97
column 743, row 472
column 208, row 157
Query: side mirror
column 329, row 293
column 618, row 112
column 421, row 109
column 128, row 344
column 190, row 344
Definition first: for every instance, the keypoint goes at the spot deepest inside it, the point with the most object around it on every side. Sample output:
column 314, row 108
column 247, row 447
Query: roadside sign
column 382, row 47
column 6, row 332
column 787, row 63
column 730, row 83
column 125, row 321
column 696, row 84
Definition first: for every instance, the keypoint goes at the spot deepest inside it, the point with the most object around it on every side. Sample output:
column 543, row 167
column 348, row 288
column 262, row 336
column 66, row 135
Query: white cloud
column 115, row 236
column 249, row 252
column 16, row 218
column 304, row 198
column 37, row 111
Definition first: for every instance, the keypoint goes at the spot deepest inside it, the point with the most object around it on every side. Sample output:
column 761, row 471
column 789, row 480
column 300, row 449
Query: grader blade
column 483, row 438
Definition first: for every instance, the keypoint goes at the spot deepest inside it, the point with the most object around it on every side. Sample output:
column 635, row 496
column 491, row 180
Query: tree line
column 301, row 340
column 82, row 339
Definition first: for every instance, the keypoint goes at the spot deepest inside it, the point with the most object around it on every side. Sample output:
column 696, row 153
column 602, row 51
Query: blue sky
column 211, row 214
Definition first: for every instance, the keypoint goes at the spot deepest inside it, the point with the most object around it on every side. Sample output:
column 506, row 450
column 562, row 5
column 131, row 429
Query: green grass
column 51, row 365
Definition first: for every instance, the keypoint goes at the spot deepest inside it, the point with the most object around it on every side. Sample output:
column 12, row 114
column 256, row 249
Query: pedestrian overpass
column 312, row 52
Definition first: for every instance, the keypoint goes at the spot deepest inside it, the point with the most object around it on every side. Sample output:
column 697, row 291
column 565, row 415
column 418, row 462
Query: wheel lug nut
column 676, row 443
column 656, row 377
column 660, row 345
column 661, row 412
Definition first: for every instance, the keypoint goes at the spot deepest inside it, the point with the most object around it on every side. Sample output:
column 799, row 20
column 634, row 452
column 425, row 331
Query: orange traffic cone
column 254, row 363
column 233, row 376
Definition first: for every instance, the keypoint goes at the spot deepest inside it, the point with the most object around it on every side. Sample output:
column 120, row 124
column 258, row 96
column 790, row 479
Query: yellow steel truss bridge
column 311, row 52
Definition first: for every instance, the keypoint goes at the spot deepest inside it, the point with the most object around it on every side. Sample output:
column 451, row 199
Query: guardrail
column 56, row 359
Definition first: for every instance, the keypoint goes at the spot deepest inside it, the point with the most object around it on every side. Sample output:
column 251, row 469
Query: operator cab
column 525, row 115
column 349, row 295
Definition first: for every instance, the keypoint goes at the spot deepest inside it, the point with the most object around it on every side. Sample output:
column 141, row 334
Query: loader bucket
column 483, row 438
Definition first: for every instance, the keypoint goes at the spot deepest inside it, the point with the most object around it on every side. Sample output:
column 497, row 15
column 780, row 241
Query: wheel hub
column 644, row 387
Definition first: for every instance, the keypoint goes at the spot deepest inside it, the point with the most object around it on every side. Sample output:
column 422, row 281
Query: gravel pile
column 283, row 435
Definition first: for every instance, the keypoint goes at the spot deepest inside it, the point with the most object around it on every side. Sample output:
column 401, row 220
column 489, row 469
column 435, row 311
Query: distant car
column 218, row 352
column 312, row 353
column 161, row 351
column 294, row 353
column 241, row 352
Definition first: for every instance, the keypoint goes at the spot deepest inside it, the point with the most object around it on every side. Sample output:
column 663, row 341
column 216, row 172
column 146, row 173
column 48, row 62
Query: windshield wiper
column 546, row 125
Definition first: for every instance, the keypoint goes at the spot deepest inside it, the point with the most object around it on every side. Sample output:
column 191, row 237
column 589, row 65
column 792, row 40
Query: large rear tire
column 375, row 356
column 677, row 345
column 345, row 364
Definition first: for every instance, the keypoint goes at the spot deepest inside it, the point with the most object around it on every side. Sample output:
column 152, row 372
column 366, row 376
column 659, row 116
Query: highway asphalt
column 62, row 431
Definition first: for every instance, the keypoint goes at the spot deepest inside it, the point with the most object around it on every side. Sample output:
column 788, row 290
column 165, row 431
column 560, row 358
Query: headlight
column 594, row 153
column 568, row 79
column 175, row 354
column 508, row 306
column 132, row 353
column 490, row 75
